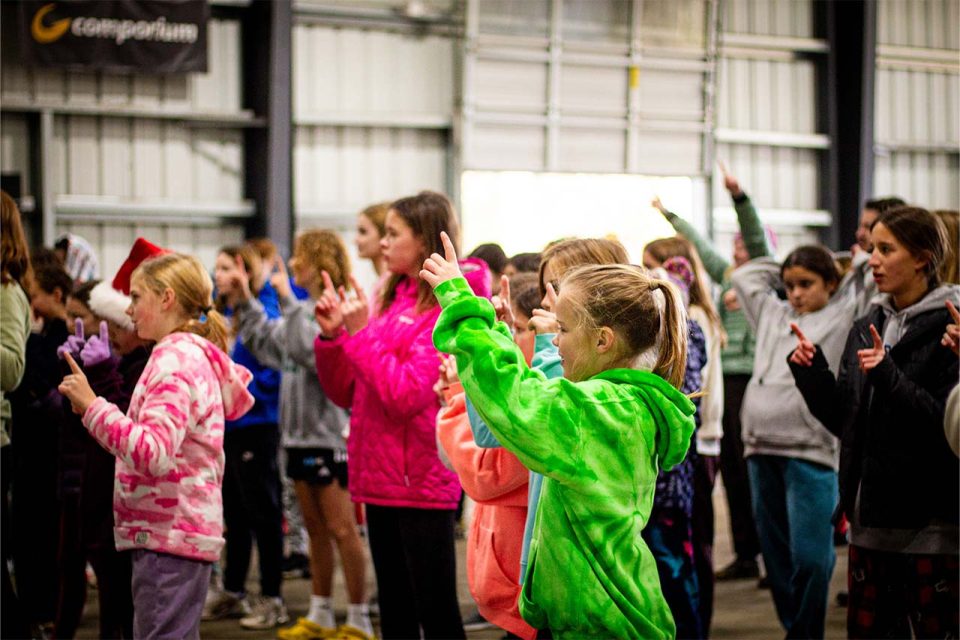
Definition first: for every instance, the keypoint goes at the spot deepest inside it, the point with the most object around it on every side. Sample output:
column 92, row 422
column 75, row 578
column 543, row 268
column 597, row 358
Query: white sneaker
column 225, row 604
column 268, row 613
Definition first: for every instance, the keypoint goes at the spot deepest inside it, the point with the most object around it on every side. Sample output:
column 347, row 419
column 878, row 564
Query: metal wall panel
column 353, row 72
column 792, row 18
column 586, row 85
column 131, row 159
column 340, row 170
column 372, row 113
column 112, row 241
column 15, row 148
column 917, row 154
column 767, row 95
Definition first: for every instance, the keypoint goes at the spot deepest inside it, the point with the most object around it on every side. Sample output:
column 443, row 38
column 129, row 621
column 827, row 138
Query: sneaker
column 306, row 630
column 296, row 565
column 225, row 604
column 739, row 570
column 763, row 582
column 476, row 622
column 350, row 632
column 843, row 598
column 267, row 614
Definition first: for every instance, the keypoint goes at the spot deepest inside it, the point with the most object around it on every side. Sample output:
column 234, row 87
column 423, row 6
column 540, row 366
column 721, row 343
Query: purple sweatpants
column 168, row 595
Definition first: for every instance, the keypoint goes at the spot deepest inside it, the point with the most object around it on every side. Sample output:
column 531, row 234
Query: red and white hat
column 110, row 300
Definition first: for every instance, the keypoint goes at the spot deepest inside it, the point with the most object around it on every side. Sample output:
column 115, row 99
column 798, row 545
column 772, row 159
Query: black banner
column 153, row 36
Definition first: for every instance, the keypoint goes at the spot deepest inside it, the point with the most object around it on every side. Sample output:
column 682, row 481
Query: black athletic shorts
column 317, row 466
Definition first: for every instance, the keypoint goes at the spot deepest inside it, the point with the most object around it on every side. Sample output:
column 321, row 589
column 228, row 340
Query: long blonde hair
column 950, row 269
column 628, row 300
column 572, row 252
column 193, row 288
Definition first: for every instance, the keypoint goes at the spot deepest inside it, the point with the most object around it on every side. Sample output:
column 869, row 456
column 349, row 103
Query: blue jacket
column 265, row 385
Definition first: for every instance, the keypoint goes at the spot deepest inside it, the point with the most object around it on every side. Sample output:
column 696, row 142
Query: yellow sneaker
column 306, row 630
column 350, row 632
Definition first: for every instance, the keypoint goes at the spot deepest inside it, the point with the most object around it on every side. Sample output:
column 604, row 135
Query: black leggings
column 251, row 506
column 415, row 562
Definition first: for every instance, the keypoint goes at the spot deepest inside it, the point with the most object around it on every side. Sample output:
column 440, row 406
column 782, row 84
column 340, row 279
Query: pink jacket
column 169, row 448
column 498, row 483
column 385, row 374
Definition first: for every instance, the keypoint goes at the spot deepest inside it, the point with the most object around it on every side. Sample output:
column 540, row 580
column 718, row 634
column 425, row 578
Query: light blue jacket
column 547, row 360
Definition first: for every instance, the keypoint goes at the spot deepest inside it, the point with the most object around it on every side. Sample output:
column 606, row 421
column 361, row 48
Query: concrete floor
column 741, row 611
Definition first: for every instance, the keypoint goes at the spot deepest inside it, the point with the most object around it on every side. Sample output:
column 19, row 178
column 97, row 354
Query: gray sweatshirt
column 307, row 417
column 775, row 417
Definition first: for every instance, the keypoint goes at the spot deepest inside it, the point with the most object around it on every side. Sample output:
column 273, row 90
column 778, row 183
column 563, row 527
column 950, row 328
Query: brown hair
column 622, row 297
column 427, row 214
column 813, row 258
column 326, row 252
column 377, row 214
column 665, row 248
column 922, row 234
column 82, row 293
column 14, row 253
column 950, row 269
column 264, row 247
column 524, row 293
column 193, row 289
column 251, row 262
column 573, row 252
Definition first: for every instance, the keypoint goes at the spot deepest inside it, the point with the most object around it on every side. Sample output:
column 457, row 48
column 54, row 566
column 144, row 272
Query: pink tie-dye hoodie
column 169, row 448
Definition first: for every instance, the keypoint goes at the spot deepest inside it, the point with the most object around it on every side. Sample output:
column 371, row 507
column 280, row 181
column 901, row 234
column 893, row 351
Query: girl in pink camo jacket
column 169, row 445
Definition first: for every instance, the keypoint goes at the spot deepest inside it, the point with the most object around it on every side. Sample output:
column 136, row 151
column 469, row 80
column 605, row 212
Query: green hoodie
column 600, row 444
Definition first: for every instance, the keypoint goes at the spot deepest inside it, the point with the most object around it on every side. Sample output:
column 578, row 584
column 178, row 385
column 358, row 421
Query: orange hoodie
column 497, row 482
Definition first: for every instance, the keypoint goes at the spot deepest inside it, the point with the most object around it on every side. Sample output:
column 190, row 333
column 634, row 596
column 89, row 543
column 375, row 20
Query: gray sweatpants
column 168, row 595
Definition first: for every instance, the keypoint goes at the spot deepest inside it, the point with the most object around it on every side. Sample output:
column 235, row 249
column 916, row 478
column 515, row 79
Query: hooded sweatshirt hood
column 898, row 322
column 233, row 378
column 671, row 411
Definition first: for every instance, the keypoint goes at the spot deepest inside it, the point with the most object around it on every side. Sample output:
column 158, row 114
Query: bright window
column 523, row 211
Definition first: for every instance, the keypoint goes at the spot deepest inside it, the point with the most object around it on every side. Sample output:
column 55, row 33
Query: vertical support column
column 553, row 87
column 267, row 89
column 44, row 182
column 632, row 161
column 709, row 146
column 846, row 101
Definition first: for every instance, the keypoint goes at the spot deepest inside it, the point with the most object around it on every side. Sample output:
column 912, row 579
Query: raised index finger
column 361, row 295
column 104, row 331
column 327, row 281
column 877, row 340
column 78, row 328
column 797, row 332
column 551, row 296
column 450, row 254
column 505, row 290
column 953, row 312
column 74, row 367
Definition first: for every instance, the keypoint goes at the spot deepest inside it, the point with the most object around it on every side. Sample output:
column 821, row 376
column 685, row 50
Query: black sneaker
column 476, row 622
column 296, row 565
column 739, row 570
column 843, row 598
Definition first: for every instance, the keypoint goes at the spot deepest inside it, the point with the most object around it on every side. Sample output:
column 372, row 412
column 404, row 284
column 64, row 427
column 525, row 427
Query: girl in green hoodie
column 600, row 434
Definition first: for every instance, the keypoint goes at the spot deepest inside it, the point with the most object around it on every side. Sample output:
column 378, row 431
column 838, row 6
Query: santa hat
column 110, row 300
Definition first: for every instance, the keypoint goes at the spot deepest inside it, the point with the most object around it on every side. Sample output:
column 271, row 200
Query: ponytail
column 672, row 339
column 212, row 327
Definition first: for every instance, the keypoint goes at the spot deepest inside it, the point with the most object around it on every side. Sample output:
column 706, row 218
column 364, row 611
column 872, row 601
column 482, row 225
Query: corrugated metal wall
column 138, row 147
column 605, row 86
column 917, row 134
column 372, row 114
column 767, row 130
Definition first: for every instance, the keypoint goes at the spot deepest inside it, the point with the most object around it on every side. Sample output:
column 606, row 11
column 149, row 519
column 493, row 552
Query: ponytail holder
column 206, row 310
column 654, row 285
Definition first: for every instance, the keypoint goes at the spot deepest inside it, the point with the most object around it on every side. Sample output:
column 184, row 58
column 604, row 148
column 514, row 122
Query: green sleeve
column 14, row 330
column 713, row 262
column 751, row 228
column 533, row 417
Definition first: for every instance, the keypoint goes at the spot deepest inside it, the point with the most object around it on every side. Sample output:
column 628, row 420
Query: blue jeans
column 793, row 501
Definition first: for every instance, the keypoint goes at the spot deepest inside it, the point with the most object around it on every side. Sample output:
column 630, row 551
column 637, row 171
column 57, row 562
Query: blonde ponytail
column 193, row 288
column 648, row 313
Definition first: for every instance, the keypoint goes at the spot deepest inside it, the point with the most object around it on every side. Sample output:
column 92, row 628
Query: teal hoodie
column 600, row 444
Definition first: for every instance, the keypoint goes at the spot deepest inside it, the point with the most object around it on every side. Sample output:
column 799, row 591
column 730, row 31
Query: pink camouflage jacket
column 169, row 448
column 384, row 374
